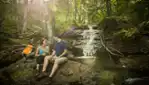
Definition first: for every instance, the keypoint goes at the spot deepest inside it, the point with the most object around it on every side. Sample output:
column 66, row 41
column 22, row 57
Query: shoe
column 37, row 74
column 42, row 75
column 49, row 80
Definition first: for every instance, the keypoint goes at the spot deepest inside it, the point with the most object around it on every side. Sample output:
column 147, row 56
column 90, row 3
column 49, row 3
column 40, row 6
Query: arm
column 47, row 51
column 53, row 53
column 65, row 51
column 37, row 50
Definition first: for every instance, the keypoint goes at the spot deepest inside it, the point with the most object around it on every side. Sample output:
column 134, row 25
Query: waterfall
column 90, row 41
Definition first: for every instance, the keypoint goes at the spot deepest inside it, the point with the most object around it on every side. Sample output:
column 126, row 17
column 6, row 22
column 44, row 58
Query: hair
column 41, row 42
column 44, row 38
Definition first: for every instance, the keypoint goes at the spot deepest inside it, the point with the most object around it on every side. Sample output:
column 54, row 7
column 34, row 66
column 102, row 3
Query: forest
column 107, row 41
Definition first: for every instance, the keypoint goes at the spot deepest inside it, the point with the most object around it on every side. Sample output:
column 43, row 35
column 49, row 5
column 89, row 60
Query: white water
column 88, row 43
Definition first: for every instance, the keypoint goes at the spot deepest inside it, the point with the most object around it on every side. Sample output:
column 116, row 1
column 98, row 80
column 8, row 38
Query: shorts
column 60, row 60
column 40, row 59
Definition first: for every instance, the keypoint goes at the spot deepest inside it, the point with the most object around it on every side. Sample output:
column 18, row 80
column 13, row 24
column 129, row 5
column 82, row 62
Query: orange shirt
column 28, row 49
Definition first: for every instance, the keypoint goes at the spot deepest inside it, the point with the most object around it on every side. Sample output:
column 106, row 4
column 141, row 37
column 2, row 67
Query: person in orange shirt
column 27, row 51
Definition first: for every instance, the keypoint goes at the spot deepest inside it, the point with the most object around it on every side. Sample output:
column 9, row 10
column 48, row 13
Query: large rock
column 123, row 36
column 72, row 71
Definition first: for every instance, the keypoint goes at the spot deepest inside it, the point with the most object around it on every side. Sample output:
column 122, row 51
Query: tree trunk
column 75, row 10
column 68, row 11
column 49, row 23
column 25, row 16
column 117, row 5
column 108, row 6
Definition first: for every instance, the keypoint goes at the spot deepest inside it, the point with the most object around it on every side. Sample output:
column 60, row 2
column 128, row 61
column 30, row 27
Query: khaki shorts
column 61, row 60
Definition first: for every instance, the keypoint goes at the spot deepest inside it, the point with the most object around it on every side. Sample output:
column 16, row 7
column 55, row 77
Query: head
column 57, row 39
column 44, row 41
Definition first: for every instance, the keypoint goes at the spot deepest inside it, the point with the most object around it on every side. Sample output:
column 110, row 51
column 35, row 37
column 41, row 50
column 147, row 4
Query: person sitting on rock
column 59, row 56
column 27, row 51
column 41, row 51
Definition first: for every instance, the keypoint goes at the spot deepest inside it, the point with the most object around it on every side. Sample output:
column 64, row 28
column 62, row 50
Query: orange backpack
column 28, row 49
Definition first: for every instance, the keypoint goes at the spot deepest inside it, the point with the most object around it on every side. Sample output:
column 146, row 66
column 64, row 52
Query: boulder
column 70, row 72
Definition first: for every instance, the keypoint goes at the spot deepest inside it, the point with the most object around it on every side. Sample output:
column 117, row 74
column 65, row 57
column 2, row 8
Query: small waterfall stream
column 89, row 42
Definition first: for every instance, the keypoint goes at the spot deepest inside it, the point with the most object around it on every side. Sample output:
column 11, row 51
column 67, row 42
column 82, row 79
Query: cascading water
column 90, row 42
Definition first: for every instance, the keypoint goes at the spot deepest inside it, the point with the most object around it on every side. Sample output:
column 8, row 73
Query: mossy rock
column 71, row 71
column 111, row 25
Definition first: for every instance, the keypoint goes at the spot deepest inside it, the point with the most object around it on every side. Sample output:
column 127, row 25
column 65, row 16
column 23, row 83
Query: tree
column 25, row 16
column 108, row 6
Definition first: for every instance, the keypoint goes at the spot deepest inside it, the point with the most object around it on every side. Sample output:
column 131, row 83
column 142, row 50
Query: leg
column 46, row 62
column 55, row 67
column 39, row 61
column 57, row 62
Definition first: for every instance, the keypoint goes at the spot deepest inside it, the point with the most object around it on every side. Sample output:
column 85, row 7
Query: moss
column 22, row 73
column 135, row 61
column 106, row 77
column 21, row 41
column 126, row 33
column 107, row 74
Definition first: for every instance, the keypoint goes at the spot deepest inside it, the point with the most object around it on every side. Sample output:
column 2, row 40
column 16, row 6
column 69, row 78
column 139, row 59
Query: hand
column 36, row 55
column 54, row 57
column 44, row 54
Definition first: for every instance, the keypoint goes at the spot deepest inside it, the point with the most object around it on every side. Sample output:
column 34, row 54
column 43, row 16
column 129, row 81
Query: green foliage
column 119, row 18
column 78, row 12
column 93, row 11
column 9, row 18
column 126, row 33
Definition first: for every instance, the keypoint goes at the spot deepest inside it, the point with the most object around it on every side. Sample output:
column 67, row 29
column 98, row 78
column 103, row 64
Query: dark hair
column 41, row 42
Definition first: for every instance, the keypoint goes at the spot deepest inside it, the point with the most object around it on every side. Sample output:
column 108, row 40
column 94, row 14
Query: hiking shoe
column 37, row 74
column 49, row 80
column 42, row 75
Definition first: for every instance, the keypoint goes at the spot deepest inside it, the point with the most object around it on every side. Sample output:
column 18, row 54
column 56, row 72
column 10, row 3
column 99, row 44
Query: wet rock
column 135, row 62
column 137, row 81
column 10, row 54
column 5, row 78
